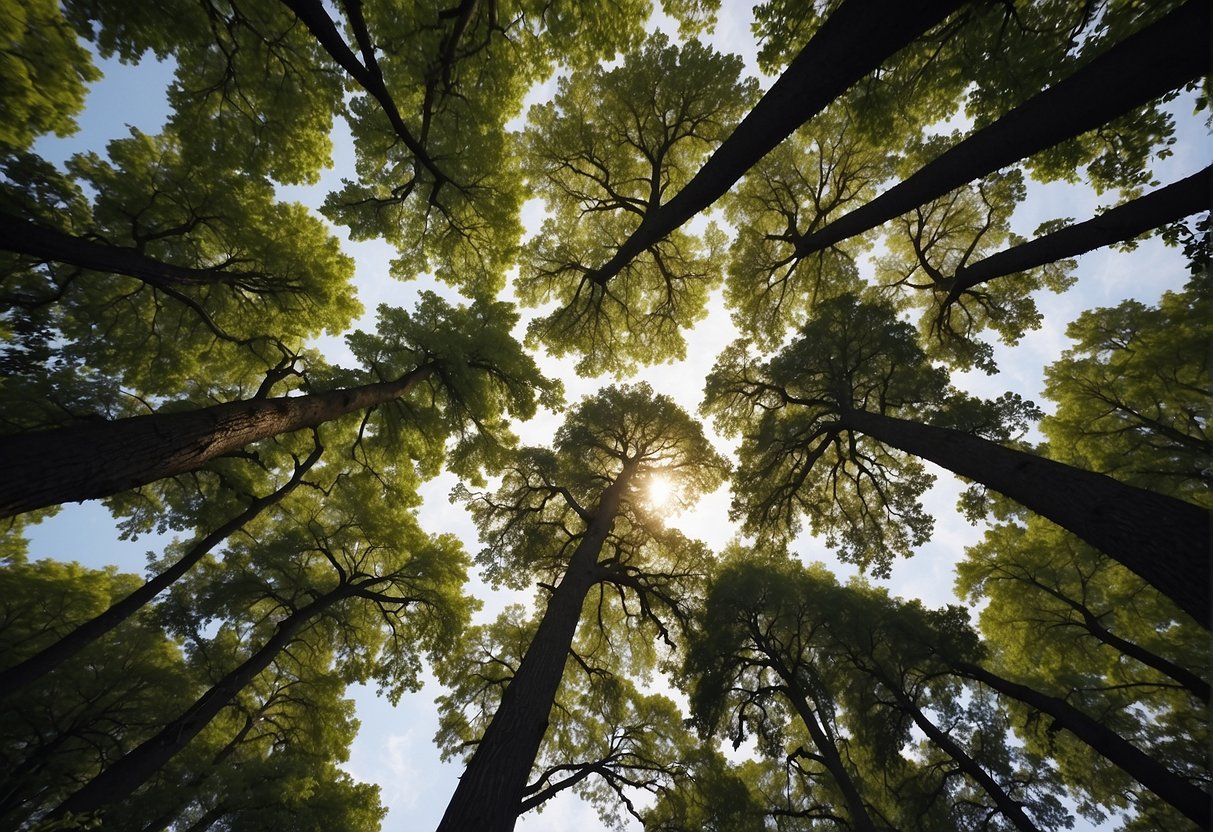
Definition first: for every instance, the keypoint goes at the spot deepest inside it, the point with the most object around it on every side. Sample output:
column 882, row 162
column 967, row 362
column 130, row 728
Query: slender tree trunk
column 856, row 39
column 1190, row 800
column 46, row 243
column 1009, row 807
column 121, row 778
column 1195, row 685
column 1163, row 540
column 1144, row 66
column 84, row 462
column 489, row 795
column 43, row 662
column 826, row 749
column 1154, row 210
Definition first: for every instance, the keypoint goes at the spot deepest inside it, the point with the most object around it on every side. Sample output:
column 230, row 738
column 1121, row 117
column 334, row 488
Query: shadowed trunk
column 120, row 779
column 827, row 751
column 46, row 243
column 85, row 462
column 489, row 795
column 43, row 662
column 1154, row 210
column 853, row 41
column 1164, row 540
column 1143, row 67
column 1192, row 801
column 1009, row 807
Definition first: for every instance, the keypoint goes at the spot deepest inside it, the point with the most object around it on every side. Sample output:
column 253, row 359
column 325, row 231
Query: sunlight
column 661, row 492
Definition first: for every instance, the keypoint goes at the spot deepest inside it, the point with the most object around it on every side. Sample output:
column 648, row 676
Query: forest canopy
column 692, row 417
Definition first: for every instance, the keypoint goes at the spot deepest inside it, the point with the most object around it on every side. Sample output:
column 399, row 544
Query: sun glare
column 660, row 490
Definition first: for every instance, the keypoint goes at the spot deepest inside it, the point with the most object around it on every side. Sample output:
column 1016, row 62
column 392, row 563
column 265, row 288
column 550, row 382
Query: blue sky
column 395, row 746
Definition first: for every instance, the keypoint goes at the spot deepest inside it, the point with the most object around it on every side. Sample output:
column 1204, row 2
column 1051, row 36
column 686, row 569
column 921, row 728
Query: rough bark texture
column 1154, row 210
column 489, row 795
column 856, row 39
column 1164, row 540
column 120, row 779
column 43, row 662
column 85, row 462
column 1010, row 808
column 827, row 751
column 1145, row 66
column 1193, row 802
column 45, row 243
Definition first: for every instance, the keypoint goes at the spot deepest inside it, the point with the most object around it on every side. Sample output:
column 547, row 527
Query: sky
column 394, row 747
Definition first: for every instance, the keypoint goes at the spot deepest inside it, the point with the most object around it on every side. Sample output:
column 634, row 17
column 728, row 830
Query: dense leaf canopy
column 851, row 250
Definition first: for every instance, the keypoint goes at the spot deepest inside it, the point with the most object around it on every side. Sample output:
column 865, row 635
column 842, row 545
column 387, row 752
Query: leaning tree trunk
column 1164, row 540
column 853, row 41
column 861, row 821
column 1010, row 808
column 1154, row 210
column 85, row 462
column 120, row 779
column 1145, row 66
column 1190, row 800
column 489, row 795
column 46, row 660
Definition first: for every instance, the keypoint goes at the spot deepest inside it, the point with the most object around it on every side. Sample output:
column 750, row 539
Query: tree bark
column 46, row 243
column 489, row 795
column 1163, row 540
column 1143, row 67
column 84, row 462
column 43, row 662
column 120, row 779
column 1010, row 808
column 856, row 39
column 1190, row 800
column 830, row 758
column 1154, row 210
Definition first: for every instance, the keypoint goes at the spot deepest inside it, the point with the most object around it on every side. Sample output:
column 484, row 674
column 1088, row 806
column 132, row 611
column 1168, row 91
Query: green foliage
column 1132, row 393
column 612, row 146
column 819, row 173
column 930, row 244
column 64, row 729
column 250, row 85
column 43, row 73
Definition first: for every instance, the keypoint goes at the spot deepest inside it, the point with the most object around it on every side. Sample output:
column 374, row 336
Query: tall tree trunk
column 121, row 778
column 1144, row 66
column 1190, row 800
column 1009, row 807
column 1154, row 210
column 1164, row 540
column 46, row 243
column 826, row 749
column 43, row 662
column 489, row 795
column 855, row 40
column 84, row 462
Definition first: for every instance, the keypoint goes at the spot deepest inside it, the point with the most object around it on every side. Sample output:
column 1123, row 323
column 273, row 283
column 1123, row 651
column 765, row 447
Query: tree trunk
column 1009, row 807
column 1163, row 540
column 1092, row 624
column 1190, row 800
column 43, row 662
column 1143, row 67
column 121, row 778
column 46, row 243
column 489, row 795
column 1154, row 210
column 88, row 461
column 828, row 751
column 856, row 39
